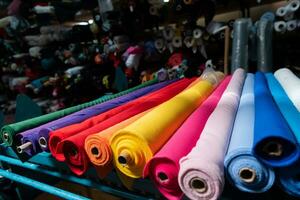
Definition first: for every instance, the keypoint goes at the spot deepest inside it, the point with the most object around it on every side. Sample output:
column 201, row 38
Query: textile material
column 201, row 171
column 9, row 131
column 135, row 145
column 291, row 84
column 33, row 135
column 289, row 179
column 98, row 149
column 242, row 169
column 163, row 168
column 285, row 105
column 73, row 146
column 274, row 142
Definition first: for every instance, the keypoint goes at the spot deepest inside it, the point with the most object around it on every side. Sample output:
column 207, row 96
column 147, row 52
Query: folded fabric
column 285, row 105
column 291, row 84
column 98, row 149
column 39, row 136
column 73, row 146
column 60, row 134
column 201, row 171
column 136, row 144
column 242, row 169
column 163, row 168
column 9, row 131
column 274, row 142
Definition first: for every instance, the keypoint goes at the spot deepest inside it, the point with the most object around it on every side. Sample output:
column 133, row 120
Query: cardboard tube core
column 199, row 185
column 273, row 149
column 247, row 175
column 95, row 151
column 43, row 142
column 162, row 177
column 20, row 149
column 123, row 158
column 5, row 136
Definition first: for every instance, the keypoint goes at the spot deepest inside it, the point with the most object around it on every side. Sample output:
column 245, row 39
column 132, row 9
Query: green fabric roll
column 9, row 131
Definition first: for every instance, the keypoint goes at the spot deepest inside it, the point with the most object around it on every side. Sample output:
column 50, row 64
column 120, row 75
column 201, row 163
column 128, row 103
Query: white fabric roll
column 291, row 25
column 280, row 26
column 291, row 84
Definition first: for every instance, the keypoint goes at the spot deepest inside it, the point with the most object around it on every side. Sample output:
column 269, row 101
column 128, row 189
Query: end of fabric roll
column 247, row 175
column 5, row 136
column 199, row 185
column 95, row 152
column 124, row 158
column 23, row 147
column 273, row 149
column 162, row 177
column 43, row 142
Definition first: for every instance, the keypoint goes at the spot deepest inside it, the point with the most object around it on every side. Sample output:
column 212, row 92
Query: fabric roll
column 163, row 168
column 9, row 131
column 264, row 43
column 39, row 136
column 97, row 146
column 242, row 169
column 201, row 171
column 285, row 105
column 291, row 84
column 136, row 144
column 72, row 148
column 274, row 142
column 241, row 29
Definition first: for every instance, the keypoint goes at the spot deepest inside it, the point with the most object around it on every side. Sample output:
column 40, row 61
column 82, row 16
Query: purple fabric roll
column 33, row 135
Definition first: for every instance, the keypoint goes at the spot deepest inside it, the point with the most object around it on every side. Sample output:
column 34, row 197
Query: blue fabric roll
column 274, row 142
column 286, row 106
column 242, row 169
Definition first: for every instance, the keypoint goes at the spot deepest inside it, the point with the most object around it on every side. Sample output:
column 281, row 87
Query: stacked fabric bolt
column 186, row 135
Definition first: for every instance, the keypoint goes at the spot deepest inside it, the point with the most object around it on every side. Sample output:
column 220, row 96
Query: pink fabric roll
column 201, row 174
column 164, row 166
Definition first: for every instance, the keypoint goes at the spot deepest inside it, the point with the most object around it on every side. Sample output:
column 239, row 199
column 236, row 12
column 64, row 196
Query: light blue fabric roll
column 286, row 106
column 242, row 169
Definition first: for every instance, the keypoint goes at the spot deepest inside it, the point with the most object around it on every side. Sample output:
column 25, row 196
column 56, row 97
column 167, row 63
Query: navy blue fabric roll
column 242, row 169
column 289, row 179
column 274, row 142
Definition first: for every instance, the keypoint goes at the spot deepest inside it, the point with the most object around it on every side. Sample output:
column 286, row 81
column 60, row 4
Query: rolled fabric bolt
column 201, row 170
column 280, row 26
column 291, row 25
column 274, row 142
column 293, row 5
column 189, row 41
column 168, row 33
column 5, row 21
column 286, row 106
column 159, row 43
column 145, row 139
column 197, row 33
column 264, row 34
column 281, row 11
column 242, row 168
column 153, row 10
column 291, row 84
column 240, row 44
column 43, row 142
column 20, row 149
column 163, row 168
column 177, row 41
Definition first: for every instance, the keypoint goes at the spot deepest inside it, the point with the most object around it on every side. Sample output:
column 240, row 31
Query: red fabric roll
column 109, row 118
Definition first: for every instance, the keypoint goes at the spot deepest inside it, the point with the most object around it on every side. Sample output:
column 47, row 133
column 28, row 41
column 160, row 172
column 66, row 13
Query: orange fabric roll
column 97, row 146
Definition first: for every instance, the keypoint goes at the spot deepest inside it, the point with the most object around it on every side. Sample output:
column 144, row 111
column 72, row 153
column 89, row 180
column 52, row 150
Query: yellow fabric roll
column 134, row 145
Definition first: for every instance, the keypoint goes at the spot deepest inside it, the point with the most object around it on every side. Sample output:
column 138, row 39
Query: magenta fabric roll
column 201, row 174
column 163, row 168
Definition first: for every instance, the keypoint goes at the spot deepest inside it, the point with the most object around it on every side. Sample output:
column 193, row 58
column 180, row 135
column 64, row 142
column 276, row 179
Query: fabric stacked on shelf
column 187, row 135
